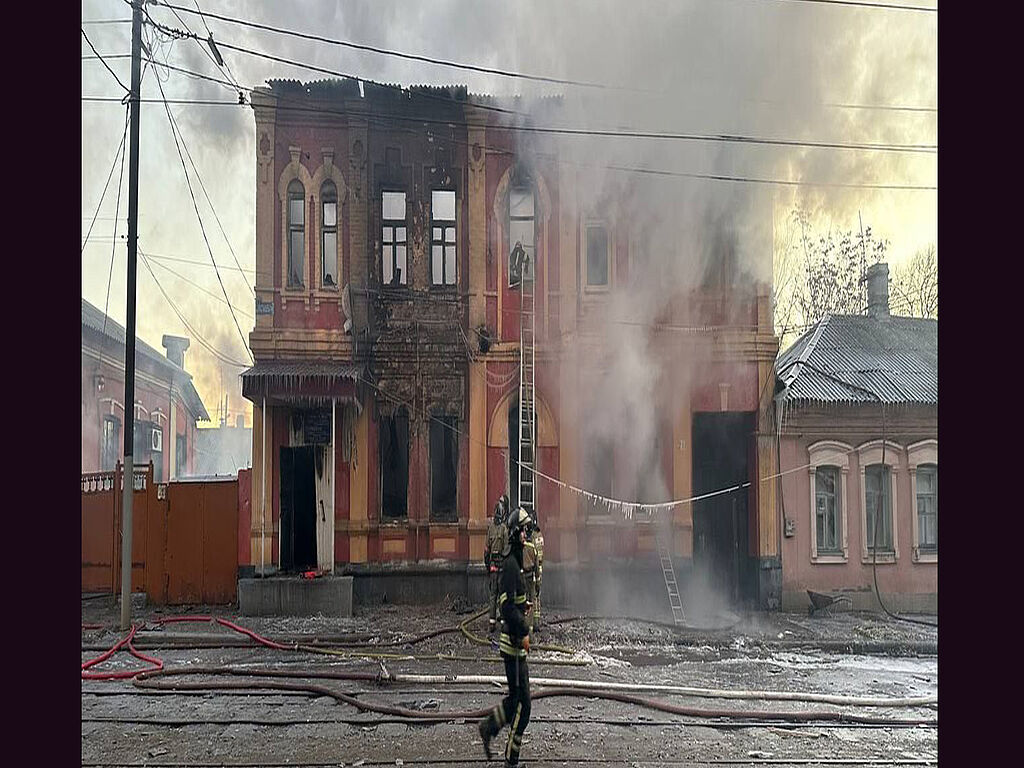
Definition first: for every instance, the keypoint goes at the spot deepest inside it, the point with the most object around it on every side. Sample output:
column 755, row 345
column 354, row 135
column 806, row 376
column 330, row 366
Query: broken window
column 444, row 468
column 928, row 507
column 597, row 256
column 329, row 234
column 109, row 441
column 878, row 489
column 296, row 233
column 521, row 231
column 442, row 238
column 394, row 465
column 827, row 509
column 394, row 241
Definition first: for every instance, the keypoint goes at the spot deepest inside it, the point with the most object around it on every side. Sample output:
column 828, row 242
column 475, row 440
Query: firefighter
column 497, row 544
column 538, row 545
column 530, row 566
column 514, row 644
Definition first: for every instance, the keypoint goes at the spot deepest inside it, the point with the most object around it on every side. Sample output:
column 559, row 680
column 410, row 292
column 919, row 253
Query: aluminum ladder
column 664, row 537
column 527, row 391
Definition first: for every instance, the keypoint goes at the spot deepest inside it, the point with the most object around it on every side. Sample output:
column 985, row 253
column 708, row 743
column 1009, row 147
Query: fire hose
column 149, row 680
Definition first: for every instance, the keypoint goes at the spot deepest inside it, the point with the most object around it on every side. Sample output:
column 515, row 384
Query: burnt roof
column 896, row 358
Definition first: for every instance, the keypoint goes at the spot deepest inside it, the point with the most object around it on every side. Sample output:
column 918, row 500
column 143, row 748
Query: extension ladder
column 664, row 537
column 527, row 396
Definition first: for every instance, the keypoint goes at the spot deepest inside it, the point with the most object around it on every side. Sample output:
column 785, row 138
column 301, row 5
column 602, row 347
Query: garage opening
column 722, row 447
column 298, row 509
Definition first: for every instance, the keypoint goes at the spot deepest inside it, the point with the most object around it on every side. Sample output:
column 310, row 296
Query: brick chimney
column 175, row 346
column 877, row 277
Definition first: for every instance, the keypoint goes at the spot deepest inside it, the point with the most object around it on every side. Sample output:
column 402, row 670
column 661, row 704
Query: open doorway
column 721, row 524
column 298, row 509
column 513, row 453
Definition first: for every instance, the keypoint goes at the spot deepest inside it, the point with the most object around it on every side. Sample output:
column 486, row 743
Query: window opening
column 444, row 467
column 597, row 256
column 296, row 233
column 329, row 235
column 877, row 481
column 394, row 242
column 521, row 230
column 394, row 465
column 442, row 238
column 928, row 507
column 827, row 509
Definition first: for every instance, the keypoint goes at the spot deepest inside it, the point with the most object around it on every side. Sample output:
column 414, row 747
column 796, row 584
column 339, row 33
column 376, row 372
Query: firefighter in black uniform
column 514, row 644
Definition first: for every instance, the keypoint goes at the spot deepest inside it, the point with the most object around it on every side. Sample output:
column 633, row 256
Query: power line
column 199, row 337
column 727, row 138
column 199, row 287
column 858, row 4
column 403, row 55
column 103, row 194
column 127, row 90
column 188, row 182
column 113, row 244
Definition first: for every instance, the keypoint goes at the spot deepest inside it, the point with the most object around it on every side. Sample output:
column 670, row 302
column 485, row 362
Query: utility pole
column 129, row 340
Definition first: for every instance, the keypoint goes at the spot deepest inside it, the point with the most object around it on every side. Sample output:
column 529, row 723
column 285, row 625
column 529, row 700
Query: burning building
column 403, row 344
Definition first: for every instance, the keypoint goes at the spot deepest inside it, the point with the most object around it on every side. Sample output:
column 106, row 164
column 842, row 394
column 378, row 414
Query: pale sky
column 762, row 68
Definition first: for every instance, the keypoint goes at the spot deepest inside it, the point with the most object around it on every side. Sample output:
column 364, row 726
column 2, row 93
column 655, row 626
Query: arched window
column 878, row 499
column 296, row 233
column 521, row 229
column 329, row 234
column 828, row 466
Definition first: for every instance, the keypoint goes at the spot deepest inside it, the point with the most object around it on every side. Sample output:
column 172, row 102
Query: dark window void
column 444, row 468
column 329, row 235
column 394, row 465
column 296, row 233
column 878, row 495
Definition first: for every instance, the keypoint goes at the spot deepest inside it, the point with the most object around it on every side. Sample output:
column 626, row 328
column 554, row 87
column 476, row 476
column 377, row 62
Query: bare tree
column 820, row 275
column 914, row 287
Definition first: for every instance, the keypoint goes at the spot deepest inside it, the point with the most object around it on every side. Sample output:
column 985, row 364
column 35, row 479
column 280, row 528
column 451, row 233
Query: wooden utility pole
column 129, row 336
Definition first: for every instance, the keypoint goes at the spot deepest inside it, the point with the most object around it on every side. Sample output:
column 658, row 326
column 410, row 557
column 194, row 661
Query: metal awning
column 303, row 382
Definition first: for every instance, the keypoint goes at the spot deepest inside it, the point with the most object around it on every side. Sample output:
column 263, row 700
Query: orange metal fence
column 184, row 537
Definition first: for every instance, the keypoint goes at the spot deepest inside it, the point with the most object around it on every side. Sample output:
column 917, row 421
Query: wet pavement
column 865, row 656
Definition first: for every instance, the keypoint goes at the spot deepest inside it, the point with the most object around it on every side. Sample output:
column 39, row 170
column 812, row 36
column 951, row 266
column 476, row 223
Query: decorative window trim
column 139, row 408
column 830, row 453
column 610, row 249
column 327, row 171
column 923, row 452
column 871, row 453
column 294, row 171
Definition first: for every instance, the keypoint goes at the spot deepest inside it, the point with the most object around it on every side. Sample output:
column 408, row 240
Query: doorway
column 298, row 509
column 721, row 524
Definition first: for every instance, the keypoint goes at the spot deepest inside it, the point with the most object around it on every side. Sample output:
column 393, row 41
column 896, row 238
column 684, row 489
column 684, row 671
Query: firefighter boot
column 485, row 735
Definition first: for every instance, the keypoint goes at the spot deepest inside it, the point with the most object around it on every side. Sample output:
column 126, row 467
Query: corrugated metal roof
column 305, row 369
column 896, row 358
column 93, row 318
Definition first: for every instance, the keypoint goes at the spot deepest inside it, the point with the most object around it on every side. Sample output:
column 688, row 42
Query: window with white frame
column 923, row 463
column 597, row 256
column 827, row 509
column 878, row 507
column 928, row 507
column 521, row 230
column 329, row 235
column 109, row 442
column 442, row 237
column 296, row 233
column 828, row 467
column 878, row 501
column 394, row 246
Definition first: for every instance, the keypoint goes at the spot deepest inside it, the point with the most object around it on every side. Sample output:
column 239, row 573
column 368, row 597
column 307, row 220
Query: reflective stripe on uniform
column 512, row 732
column 505, row 646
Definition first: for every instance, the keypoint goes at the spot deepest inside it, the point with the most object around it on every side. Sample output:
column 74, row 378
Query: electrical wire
column 209, row 293
column 174, row 134
column 113, row 245
column 113, row 165
column 127, row 90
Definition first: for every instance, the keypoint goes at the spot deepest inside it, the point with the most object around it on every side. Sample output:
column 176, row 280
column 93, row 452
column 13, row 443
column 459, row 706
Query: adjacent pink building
column 167, row 406
column 857, row 399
